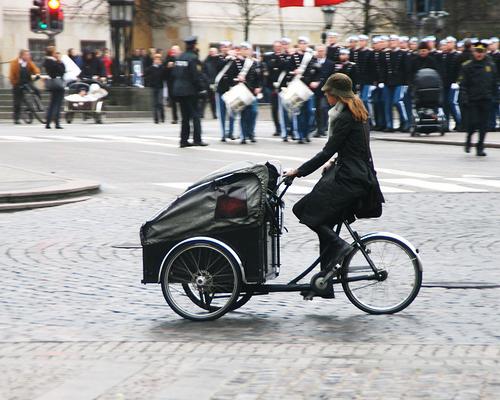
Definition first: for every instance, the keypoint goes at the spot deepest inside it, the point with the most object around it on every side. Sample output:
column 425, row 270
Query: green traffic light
column 42, row 25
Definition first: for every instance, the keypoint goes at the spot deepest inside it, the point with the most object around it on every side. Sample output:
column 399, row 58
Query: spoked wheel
column 34, row 104
column 201, row 280
column 400, row 275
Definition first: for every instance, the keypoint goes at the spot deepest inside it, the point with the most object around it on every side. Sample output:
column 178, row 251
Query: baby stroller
column 86, row 97
column 428, row 115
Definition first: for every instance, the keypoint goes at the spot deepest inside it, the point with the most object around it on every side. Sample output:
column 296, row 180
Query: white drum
column 295, row 94
column 238, row 97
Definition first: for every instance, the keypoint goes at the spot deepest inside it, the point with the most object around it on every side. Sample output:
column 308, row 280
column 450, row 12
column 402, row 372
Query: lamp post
column 328, row 13
column 121, row 17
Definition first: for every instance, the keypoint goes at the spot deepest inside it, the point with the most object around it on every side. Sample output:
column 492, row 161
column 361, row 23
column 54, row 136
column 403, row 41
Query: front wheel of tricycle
column 201, row 280
column 399, row 279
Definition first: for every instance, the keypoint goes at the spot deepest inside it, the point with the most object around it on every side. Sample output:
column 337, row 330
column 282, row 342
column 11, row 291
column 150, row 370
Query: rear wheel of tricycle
column 400, row 275
column 201, row 280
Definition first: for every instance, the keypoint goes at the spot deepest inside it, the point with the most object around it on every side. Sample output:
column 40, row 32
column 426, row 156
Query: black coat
column 155, row 76
column 343, row 188
column 187, row 76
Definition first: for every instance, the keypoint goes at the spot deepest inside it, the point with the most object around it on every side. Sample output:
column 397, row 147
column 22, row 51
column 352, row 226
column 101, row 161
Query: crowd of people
column 382, row 70
column 382, row 76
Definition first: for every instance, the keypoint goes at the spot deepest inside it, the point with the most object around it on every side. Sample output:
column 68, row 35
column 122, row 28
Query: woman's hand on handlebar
column 290, row 175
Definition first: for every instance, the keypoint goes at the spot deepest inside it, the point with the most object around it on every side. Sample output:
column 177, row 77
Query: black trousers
column 275, row 111
column 327, row 237
column 190, row 112
column 54, row 110
column 17, row 93
column 478, row 114
column 158, row 110
column 209, row 98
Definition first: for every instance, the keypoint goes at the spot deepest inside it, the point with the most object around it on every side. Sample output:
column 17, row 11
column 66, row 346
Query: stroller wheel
column 98, row 118
column 413, row 131
column 69, row 117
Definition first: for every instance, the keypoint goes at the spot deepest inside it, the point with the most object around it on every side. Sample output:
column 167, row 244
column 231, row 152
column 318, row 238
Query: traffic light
column 46, row 16
column 56, row 17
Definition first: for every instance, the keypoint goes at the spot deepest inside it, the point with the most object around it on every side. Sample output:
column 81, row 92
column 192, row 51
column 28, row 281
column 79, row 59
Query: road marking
column 477, row 181
column 175, row 185
column 437, row 186
column 160, row 153
column 19, row 139
column 405, row 173
column 389, row 189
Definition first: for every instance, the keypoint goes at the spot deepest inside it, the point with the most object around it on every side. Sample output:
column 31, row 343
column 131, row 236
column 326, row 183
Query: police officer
column 478, row 89
column 395, row 78
column 272, row 67
column 188, row 82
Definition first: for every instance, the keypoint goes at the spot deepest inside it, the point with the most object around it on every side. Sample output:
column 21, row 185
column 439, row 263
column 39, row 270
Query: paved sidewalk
column 22, row 189
column 450, row 138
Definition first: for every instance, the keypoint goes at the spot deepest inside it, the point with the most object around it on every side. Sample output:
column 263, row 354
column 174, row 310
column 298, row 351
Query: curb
column 6, row 207
column 54, row 192
column 433, row 141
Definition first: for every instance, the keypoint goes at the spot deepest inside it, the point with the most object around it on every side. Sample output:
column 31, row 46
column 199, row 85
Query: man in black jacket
column 210, row 69
column 187, row 83
column 478, row 89
column 272, row 67
column 155, row 75
column 326, row 68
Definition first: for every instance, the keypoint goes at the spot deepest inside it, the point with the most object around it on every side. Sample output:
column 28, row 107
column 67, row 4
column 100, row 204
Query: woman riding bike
column 347, row 183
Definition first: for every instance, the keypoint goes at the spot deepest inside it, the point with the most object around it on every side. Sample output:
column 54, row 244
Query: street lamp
column 328, row 13
column 121, row 17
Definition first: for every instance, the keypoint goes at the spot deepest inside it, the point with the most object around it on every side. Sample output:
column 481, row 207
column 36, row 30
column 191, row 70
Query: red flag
column 312, row 3
column 319, row 3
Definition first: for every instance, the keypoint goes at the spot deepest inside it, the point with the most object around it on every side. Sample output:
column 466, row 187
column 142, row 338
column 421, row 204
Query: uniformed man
column 413, row 44
column 449, row 66
column 495, row 56
column 478, row 89
column 211, row 69
column 395, row 78
column 222, row 84
column 309, row 74
column 272, row 66
column 326, row 69
column 345, row 66
column 245, row 69
column 332, row 48
column 288, row 122
column 379, row 48
column 188, row 82
column 363, row 57
column 352, row 45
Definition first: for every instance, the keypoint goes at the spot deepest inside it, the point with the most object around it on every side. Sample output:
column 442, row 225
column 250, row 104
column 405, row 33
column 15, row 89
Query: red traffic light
column 54, row 4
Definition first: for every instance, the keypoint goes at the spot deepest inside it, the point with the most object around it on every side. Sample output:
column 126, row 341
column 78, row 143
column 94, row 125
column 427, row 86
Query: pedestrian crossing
column 477, row 184
column 391, row 180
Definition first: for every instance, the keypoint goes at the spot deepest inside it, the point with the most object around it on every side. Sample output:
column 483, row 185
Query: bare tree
column 154, row 13
column 249, row 10
column 366, row 16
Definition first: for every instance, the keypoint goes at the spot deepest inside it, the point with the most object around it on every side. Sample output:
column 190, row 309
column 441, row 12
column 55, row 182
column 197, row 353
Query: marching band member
column 272, row 67
column 364, row 59
column 326, row 68
column 332, row 49
column 222, row 84
column 303, row 65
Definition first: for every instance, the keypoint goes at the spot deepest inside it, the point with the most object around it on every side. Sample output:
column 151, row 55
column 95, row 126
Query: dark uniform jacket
column 272, row 66
column 449, row 66
column 365, row 62
column 225, row 82
column 211, row 67
column 252, row 78
column 378, row 60
column 394, row 67
column 478, row 81
column 326, row 69
column 332, row 52
column 350, row 69
column 186, row 75
column 155, row 75
column 311, row 74
column 340, row 190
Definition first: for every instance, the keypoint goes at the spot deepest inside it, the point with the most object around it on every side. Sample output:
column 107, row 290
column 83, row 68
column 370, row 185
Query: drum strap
column 221, row 73
column 306, row 59
column 246, row 67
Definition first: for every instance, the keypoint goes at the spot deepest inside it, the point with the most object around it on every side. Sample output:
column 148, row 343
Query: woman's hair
column 356, row 107
column 50, row 51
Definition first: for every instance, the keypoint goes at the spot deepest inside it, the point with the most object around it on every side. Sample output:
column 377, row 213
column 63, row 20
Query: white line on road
column 405, row 173
column 437, row 186
column 160, row 153
column 477, row 181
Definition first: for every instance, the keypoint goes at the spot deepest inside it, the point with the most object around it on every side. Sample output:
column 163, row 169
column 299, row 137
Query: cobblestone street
column 75, row 321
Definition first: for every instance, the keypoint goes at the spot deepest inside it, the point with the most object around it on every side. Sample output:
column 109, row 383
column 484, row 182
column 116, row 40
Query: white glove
column 454, row 85
column 381, row 85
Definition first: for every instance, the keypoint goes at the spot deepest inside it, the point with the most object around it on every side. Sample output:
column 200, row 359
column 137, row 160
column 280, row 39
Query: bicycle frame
column 293, row 285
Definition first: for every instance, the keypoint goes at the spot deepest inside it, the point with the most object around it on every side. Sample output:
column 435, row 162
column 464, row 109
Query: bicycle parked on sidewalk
column 217, row 245
column 31, row 103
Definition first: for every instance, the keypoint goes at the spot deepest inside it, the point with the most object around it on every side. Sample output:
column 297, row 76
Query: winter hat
column 339, row 85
